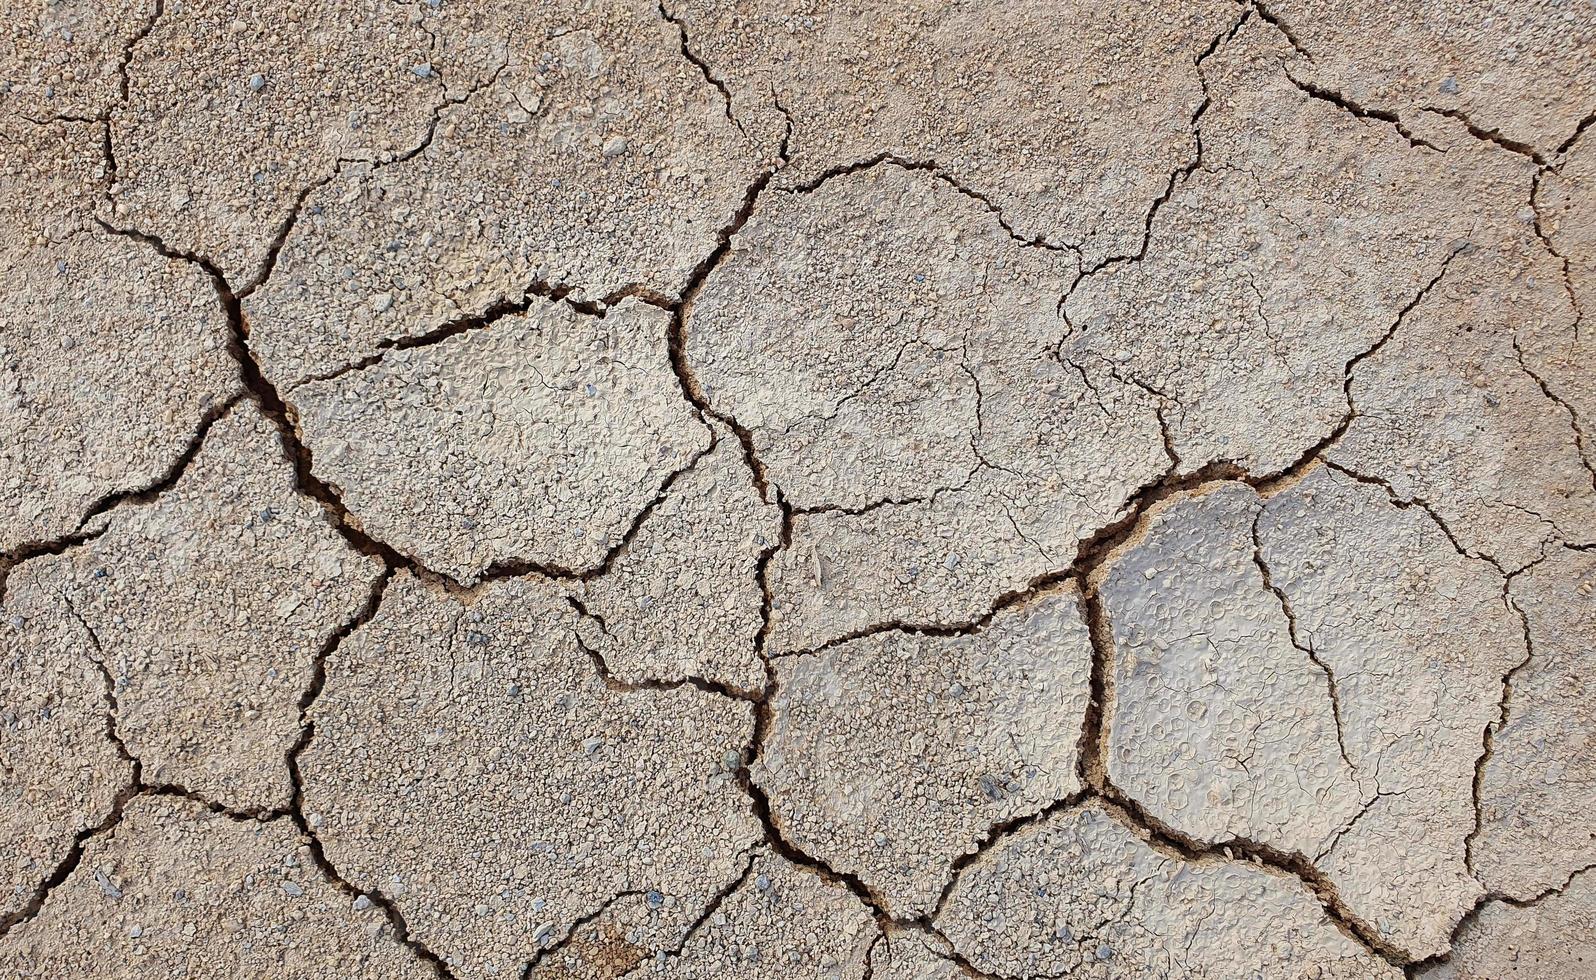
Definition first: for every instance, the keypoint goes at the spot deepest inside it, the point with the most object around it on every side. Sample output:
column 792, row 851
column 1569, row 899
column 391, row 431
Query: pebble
column 257, row 82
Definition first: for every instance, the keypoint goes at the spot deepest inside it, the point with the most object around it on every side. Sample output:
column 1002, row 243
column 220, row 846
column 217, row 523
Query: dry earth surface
column 906, row 491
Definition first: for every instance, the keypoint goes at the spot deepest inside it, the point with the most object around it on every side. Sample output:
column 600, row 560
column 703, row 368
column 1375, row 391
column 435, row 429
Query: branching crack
column 1573, row 414
column 1177, row 177
column 1421, row 968
column 1298, row 642
column 83, row 534
column 296, row 809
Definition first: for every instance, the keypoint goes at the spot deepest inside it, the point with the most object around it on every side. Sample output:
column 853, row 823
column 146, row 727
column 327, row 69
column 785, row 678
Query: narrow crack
column 1418, row 968
column 1493, row 136
column 1551, row 249
column 534, row 292
column 111, row 501
column 1504, row 707
column 1404, row 503
column 937, row 171
column 702, row 66
column 715, row 902
column 296, row 808
column 1284, row 29
column 1365, row 113
column 1574, row 421
column 125, row 80
column 1297, row 641
column 69, row 864
column 1579, row 130
column 588, row 918
column 998, row 832
column 113, row 704
column 680, row 310
column 1292, row 863
column 1177, row 177
column 285, row 228
column 612, row 682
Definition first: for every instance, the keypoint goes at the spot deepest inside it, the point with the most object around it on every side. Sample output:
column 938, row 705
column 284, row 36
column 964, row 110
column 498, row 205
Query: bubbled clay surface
column 856, row 491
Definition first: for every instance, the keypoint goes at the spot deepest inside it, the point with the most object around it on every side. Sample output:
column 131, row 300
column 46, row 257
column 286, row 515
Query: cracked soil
column 906, row 491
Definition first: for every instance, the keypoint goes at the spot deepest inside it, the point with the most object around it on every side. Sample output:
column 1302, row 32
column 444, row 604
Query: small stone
column 257, row 82
column 614, row 148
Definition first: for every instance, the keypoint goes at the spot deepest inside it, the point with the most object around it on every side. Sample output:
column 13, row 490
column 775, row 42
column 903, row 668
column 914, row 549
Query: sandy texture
column 854, row 491
column 112, row 357
column 989, row 727
column 178, row 891
column 542, row 792
column 208, row 607
column 1080, row 894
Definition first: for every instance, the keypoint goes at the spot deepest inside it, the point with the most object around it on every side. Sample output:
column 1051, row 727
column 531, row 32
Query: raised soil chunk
column 1079, row 894
column 890, row 757
column 1537, row 821
column 1067, row 119
column 683, row 598
column 537, row 441
column 112, row 357
column 1554, row 938
column 586, row 154
column 235, row 110
column 889, row 347
column 1254, row 700
column 470, row 763
column 61, row 772
column 175, row 890
column 209, row 606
